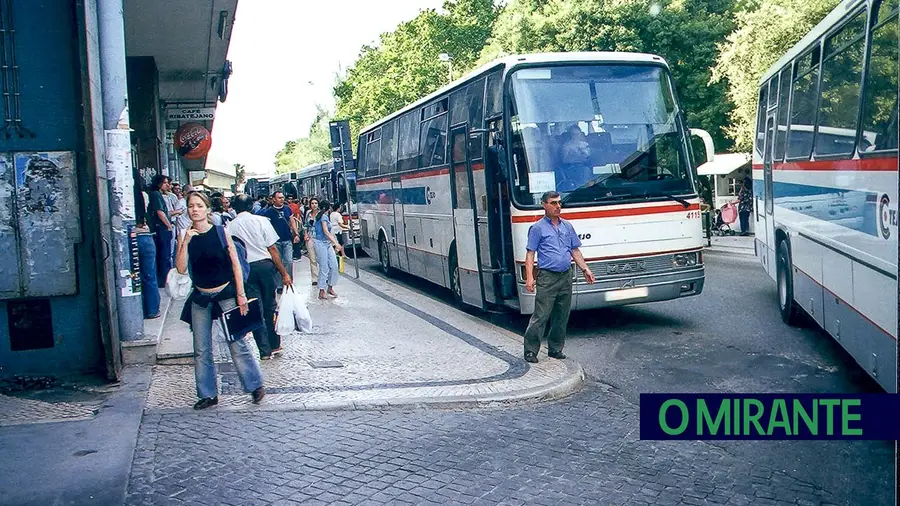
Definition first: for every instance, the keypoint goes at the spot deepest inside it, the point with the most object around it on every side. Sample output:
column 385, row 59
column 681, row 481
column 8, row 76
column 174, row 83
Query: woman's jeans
column 147, row 264
column 205, row 368
column 328, row 266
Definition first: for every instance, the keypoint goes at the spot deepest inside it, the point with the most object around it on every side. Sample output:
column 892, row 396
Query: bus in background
column 257, row 187
column 450, row 185
column 325, row 181
column 825, row 181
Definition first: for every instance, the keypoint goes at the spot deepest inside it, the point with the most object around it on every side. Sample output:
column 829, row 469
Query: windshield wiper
column 680, row 200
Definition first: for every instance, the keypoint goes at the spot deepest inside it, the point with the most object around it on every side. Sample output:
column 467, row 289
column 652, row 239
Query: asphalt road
column 583, row 449
column 730, row 338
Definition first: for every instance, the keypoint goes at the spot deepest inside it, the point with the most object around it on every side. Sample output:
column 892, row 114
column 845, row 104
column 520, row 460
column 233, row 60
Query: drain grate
column 324, row 364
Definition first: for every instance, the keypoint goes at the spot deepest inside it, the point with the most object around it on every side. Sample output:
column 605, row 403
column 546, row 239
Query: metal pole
column 349, row 208
column 114, row 86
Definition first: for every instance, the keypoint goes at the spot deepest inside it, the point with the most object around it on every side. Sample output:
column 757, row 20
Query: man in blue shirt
column 556, row 244
column 280, row 216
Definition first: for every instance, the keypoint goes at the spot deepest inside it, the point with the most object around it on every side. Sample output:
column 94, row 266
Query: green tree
column 314, row 148
column 240, row 174
column 684, row 32
column 763, row 34
column 404, row 66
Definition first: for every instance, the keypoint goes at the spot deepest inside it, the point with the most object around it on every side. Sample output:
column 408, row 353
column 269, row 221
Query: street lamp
column 449, row 59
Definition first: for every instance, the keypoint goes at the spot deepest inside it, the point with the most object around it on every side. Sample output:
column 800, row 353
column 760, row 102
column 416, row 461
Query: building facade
column 94, row 86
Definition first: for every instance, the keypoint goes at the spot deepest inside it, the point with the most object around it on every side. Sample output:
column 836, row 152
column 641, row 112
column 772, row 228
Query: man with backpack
column 264, row 258
column 280, row 217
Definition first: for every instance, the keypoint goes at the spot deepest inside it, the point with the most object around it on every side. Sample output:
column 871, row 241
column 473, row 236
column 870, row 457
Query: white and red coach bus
column 449, row 185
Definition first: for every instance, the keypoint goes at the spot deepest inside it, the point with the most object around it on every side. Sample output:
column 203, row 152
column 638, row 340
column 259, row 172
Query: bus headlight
column 684, row 259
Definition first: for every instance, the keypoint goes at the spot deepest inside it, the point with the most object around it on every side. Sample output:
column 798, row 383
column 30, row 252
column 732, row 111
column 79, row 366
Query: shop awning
column 723, row 163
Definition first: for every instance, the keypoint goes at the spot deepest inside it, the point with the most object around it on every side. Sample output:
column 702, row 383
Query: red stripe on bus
column 864, row 164
column 610, row 213
column 636, row 255
column 437, row 172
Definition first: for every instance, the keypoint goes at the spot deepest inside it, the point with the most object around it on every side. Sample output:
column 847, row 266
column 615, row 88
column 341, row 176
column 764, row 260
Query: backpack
column 241, row 249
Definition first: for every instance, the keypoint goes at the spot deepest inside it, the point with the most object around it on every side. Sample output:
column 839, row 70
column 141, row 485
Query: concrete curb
column 560, row 388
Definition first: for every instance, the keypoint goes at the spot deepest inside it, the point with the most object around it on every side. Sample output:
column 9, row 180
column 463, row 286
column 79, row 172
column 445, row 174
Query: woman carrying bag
column 326, row 245
column 218, row 286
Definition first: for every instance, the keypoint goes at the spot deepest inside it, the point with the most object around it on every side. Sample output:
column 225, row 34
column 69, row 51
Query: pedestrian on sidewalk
column 280, row 216
column 337, row 223
column 309, row 232
column 557, row 245
column 326, row 246
column 745, row 205
column 218, row 286
column 265, row 264
column 162, row 228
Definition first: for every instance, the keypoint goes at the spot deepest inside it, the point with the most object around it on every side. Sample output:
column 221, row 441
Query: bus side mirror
column 707, row 142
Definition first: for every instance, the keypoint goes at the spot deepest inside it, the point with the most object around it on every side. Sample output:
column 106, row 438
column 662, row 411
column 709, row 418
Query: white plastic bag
column 178, row 286
column 292, row 314
column 284, row 323
column 302, row 318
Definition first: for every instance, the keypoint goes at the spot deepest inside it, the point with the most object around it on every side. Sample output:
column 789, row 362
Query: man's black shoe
column 258, row 395
column 531, row 357
column 557, row 355
column 207, row 402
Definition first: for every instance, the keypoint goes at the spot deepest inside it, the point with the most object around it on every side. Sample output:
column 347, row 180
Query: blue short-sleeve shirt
column 553, row 244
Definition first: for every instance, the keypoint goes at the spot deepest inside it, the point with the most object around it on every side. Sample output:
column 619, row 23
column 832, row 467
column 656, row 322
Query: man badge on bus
column 556, row 244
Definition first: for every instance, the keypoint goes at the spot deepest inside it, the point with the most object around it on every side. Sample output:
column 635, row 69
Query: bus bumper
column 627, row 290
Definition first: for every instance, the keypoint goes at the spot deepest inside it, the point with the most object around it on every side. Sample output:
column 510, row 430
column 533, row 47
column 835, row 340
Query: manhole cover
column 324, row 364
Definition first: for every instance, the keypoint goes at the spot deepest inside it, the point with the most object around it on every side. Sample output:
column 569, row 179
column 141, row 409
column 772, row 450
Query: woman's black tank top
column 210, row 262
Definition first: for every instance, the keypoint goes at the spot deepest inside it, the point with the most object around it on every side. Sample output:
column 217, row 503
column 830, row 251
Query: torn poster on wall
column 118, row 170
column 45, row 219
column 9, row 250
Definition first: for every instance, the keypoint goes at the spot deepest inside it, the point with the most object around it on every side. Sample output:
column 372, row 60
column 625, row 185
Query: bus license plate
column 630, row 293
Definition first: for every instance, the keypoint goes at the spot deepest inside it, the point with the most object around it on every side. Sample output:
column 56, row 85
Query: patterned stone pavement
column 391, row 346
column 582, row 450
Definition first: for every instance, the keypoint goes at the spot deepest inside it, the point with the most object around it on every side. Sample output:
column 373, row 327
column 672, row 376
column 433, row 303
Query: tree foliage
column 314, row 148
column 684, row 32
column 404, row 66
column 762, row 35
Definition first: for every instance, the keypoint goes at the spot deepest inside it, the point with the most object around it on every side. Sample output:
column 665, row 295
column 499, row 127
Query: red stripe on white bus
column 610, row 213
column 885, row 164
column 415, row 175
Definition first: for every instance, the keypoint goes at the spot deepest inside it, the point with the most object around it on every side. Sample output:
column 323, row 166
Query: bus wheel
column 384, row 256
column 455, row 285
column 790, row 313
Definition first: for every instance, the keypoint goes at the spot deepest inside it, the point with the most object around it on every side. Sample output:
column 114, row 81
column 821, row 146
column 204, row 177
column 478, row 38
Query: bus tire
column 455, row 283
column 384, row 256
column 790, row 312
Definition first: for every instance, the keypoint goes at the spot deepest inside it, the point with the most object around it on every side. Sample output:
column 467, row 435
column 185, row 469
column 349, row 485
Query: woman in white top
column 337, row 223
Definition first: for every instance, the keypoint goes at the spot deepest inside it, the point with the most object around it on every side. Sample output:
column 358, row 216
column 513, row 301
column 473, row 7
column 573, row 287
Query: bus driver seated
column 575, row 155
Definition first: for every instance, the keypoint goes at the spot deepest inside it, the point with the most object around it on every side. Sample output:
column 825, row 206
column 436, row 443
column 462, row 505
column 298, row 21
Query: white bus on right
column 825, row 181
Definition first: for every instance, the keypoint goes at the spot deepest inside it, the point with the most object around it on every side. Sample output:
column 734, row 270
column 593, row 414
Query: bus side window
column 783, row 94
column 803, row 105
column 761, row 119
column 879, row 121
column 839, row 98
column 388, row 162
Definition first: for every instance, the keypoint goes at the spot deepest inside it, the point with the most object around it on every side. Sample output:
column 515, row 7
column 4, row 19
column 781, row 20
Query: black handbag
column 236, row 325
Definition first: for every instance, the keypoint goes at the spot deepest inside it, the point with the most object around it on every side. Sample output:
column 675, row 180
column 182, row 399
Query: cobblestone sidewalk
column 378, row 344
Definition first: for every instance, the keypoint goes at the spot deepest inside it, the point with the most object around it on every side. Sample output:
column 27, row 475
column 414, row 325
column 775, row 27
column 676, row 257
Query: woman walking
column 326, row 245
column 218, row 286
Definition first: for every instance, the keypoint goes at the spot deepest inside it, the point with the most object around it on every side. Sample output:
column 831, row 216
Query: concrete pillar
column 114, row 88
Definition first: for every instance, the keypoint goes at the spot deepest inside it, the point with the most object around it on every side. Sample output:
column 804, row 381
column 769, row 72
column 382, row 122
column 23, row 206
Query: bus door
column 768, row 216
column 465, row 217
column 399, row 254
column 486, row 206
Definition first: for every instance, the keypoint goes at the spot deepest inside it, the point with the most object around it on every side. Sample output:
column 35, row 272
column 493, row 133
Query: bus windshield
column 597, row 133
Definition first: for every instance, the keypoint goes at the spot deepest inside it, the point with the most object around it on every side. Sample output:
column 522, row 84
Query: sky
column 286, row 54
